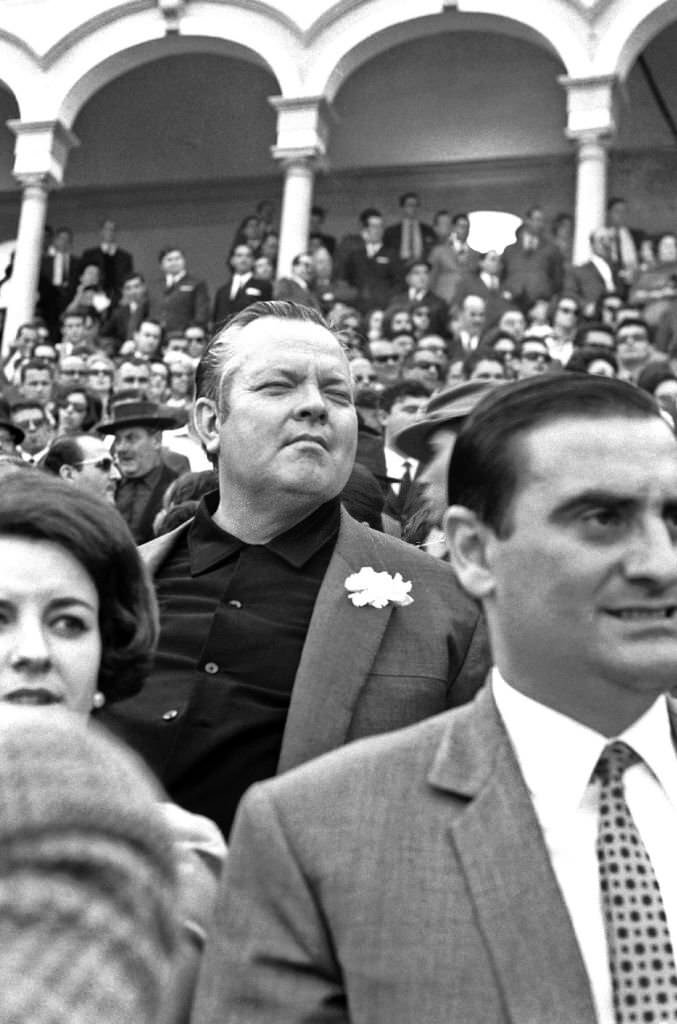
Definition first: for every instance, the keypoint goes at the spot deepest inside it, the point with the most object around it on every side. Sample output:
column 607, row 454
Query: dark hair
column 582, row 358
column 64, row 451
column 653, row 374
column 586, row 328
column 21, row 404
column 132, row 276
column 388, row 317
column 370, row 211
column 409, row 195
column 95, row 534
column 209, row 369
column 634, row 321
column 93, row 409
column 403, row 389
column 484, row 471
column 459, row 216
column 192, row 485
column 35, row 364
column 481, row 354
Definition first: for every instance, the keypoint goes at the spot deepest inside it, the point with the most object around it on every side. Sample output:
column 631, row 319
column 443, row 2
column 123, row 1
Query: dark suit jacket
column 392, row 237
column 362, row 671
column 154, row 503
column 122, row 323
column 530, row 274
column 376, row 278
column 53, row 300
column 114, row 269
column 255, row 290
column 401, row 879
column 289, row 289
column 439, row 310
column 184, row 303
column 586, row 282
column 496, row 304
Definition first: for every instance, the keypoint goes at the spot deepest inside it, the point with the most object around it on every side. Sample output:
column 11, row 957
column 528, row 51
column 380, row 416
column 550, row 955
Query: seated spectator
column 660, row 381
column 31, row 418
column 608, row 307
column 375, row 319
column 593, row 334
column 36, row 380
column 428, row 367
column 181, row 382
column 297, row 287
column 385, row 359
column 484, row 364
column 600, row 361
column 84, row 462
column 565, row 312
column 532, row 357
column 81, row 563
column 11, row 435
column 88, row 884
column 485, row 280
column 100, row 377
column 634, row 349
column 77, row 411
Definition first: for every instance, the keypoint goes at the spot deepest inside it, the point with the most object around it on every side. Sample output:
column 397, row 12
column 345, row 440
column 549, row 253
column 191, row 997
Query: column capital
column 591, row 107
column 302, row 128
column 40, row 182
column 41, row 150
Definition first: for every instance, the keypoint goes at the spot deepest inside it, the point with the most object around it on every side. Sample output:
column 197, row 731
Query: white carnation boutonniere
column 378, row 589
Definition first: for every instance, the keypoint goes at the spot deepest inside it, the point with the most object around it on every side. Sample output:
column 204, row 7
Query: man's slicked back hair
column 485, row 466
column 209, row 372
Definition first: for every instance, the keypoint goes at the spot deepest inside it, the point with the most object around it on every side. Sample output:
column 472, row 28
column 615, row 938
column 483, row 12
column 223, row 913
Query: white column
column 301, row 145
column 23, row 287
column 591, row 191
column 297, row 199
column 40, row 155
column 591, row 123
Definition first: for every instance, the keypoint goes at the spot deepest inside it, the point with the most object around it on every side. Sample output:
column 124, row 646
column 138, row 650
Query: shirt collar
column 543, row 740
column 209, row 545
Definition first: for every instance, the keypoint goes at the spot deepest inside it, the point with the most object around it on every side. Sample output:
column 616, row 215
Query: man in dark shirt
column 137, row 425
column 266, row 658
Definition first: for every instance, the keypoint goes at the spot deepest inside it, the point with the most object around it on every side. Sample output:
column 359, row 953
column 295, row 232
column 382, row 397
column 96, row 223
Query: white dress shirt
column 395, row 467
column 557, row 756
column 604, row 271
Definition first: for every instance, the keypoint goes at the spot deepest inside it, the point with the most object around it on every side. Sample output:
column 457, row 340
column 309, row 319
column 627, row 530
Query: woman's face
column 100, row 378
column 50, row 643
column 72, row 412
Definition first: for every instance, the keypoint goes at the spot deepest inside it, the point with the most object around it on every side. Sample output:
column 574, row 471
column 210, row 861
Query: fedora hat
column 137, row 412
column 16, row 433
column 448, row 407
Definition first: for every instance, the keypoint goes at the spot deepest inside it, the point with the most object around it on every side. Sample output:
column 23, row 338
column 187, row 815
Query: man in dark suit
column 510, row 861
column 418, row 293
column 58, row 280
column 297, row 287
column 596, row 277
column 137, row 425
column 184, row 298
column 411, row 238
column 131, row 311
column 533, row 266
column 485, row 281
column 243, row 288
column 115, row 264
column 371, row 266
column 264, row 660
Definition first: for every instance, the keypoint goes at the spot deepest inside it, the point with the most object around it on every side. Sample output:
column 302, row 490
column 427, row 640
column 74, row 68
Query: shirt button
column 169, row 716
column 211, row 667
column 235, row 604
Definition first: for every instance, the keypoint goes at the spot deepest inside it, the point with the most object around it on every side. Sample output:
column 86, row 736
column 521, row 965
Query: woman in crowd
column 599, row 361
column 79, row 627
column 100, row 378
column 76, row 411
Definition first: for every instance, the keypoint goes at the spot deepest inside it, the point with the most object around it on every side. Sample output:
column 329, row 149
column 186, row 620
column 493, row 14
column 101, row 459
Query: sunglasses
column 533, row 357
column 385, row 359
column 30, row 424
column 105, row 463
column 75, row 406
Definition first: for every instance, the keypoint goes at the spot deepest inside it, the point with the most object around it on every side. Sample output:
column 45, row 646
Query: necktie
column 405, row 483
column 641, row 960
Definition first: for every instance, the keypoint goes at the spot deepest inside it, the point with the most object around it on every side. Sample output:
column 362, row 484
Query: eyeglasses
column 533, row 357
column 75, row 406
column 32, row 423
column 385, row 359
column 105, row 463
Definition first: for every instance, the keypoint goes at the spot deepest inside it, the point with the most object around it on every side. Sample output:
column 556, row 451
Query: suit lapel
column 498, row 841
column 340, row 648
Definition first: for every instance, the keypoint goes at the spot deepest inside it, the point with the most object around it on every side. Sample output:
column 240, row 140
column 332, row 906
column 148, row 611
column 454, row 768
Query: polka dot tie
column 641, row 961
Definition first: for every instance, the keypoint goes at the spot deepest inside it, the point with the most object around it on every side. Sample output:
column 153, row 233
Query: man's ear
column 67, row 472
column 207, row 423
column 468, row 541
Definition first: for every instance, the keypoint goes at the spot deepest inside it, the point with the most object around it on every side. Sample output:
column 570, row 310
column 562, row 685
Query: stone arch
column 103, row 49
column 632, row 26
column 350, row 34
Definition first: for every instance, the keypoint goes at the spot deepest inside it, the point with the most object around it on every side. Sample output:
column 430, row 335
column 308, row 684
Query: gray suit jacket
column 402, row 879
column 362, row 671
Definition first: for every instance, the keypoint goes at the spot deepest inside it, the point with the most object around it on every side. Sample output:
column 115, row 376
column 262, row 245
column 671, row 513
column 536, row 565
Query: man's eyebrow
column 592, row 498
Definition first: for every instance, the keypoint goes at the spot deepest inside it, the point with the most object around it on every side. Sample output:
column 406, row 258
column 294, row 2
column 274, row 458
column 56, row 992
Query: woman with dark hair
column 78, row 627
column 599, row 361
column 77, row 410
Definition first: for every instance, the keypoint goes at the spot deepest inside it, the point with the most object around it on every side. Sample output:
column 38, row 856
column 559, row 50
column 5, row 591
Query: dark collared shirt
column 132, row 497
column 234, row 618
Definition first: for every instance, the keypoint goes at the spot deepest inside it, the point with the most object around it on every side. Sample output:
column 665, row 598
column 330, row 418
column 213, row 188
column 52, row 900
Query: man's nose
column 653, row 554
column 312, row 403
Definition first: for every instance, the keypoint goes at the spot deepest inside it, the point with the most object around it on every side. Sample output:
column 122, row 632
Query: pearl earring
column 98, row 700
